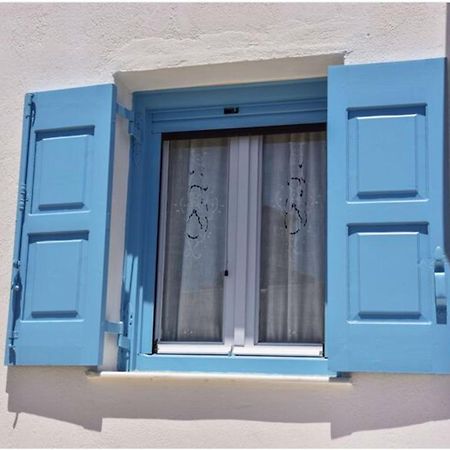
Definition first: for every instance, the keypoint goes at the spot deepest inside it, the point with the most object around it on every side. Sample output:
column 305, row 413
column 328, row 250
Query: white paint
column 211, row 376
column 231, row 72
column 48, row 46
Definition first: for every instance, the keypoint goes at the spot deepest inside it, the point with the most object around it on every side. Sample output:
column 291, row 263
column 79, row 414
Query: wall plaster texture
column 145, row 46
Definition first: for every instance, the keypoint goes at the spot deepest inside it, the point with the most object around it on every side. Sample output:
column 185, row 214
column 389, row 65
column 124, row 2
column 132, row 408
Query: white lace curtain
column 292, row 266
column 194, row 259
column 292, row 254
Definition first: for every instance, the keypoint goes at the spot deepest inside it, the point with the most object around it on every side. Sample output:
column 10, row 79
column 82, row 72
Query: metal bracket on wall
column 133, row 126
column 118, row 328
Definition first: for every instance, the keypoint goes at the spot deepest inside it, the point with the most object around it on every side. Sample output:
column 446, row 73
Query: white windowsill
column 210, row 376
column 193, row 349
column 253, row 350
column 279, row 350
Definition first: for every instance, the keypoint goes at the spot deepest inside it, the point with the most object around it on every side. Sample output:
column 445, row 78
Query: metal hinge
column 118, row 328
column 12, row 347
column 31, row 112
column 22, row 197
column 13, row 336
column 133, row 125
column 123, row 342
column 124, row 112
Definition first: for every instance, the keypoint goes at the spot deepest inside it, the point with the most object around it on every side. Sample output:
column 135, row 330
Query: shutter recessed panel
column 60, row 261
column 385, row 218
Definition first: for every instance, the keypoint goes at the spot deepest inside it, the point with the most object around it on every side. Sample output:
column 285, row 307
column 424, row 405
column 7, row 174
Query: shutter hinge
column 22, row 197
column 12, row 347
column 123, row 342
column 113, row 327
column 118, row 328
column 124, row 112
column 31, row 113
column 13, row 335
column 134, row 129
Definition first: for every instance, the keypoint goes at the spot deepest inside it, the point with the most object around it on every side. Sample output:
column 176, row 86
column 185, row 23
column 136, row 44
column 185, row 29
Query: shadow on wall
column 371, row 402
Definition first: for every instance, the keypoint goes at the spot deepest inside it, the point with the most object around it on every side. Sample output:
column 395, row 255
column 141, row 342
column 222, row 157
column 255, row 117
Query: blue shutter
column 386, row 304
column 60, row 255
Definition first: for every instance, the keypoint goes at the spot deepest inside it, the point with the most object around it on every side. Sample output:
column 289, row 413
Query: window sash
column 241, row 287
column 204, row 347
column 251, row 217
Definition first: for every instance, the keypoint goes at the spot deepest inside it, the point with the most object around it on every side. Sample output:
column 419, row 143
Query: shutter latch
column 440, row 287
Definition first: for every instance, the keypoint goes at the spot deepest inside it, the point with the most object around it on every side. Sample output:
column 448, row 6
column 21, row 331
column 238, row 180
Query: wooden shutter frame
column 91, row 110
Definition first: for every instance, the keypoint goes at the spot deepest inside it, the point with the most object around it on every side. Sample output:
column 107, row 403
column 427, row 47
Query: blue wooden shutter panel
column 62, row 228
column 387, row 283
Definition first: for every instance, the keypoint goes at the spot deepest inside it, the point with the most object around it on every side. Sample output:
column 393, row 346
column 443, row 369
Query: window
column 242, row 244
column 225, row 266
column 208, row 298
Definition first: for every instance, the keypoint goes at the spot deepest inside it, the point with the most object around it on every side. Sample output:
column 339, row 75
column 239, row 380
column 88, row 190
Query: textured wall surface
column 61, row 45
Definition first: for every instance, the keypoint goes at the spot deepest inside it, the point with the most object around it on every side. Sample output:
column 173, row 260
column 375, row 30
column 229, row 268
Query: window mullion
column 242, row 181
column 230, row 263
column 253, row 245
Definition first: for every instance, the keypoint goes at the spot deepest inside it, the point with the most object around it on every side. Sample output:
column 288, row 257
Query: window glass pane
column 195, row 240
column 292, row 264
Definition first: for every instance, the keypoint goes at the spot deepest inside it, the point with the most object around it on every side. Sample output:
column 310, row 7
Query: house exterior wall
column 53, row 46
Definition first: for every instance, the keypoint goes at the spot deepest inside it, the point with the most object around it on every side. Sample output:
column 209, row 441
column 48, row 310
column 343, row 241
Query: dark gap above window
column 308, row 127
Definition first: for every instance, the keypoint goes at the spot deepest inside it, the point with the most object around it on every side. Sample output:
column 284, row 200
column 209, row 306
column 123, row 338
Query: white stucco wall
column 53, row 46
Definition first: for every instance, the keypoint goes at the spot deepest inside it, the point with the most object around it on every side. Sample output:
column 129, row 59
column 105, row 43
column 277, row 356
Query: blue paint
column 61, row 177
column 234, row 364
column 16, row 281
column 234, row 95
column 440, row 286
column 58, row 304
column 395, row 289
column 250, row 115
column 48, row 277
column 385, row 217
column 267, row 104
column 387, row 287
column 383, row 144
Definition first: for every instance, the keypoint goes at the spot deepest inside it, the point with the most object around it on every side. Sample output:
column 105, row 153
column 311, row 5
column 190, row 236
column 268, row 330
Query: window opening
column 242, row 242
